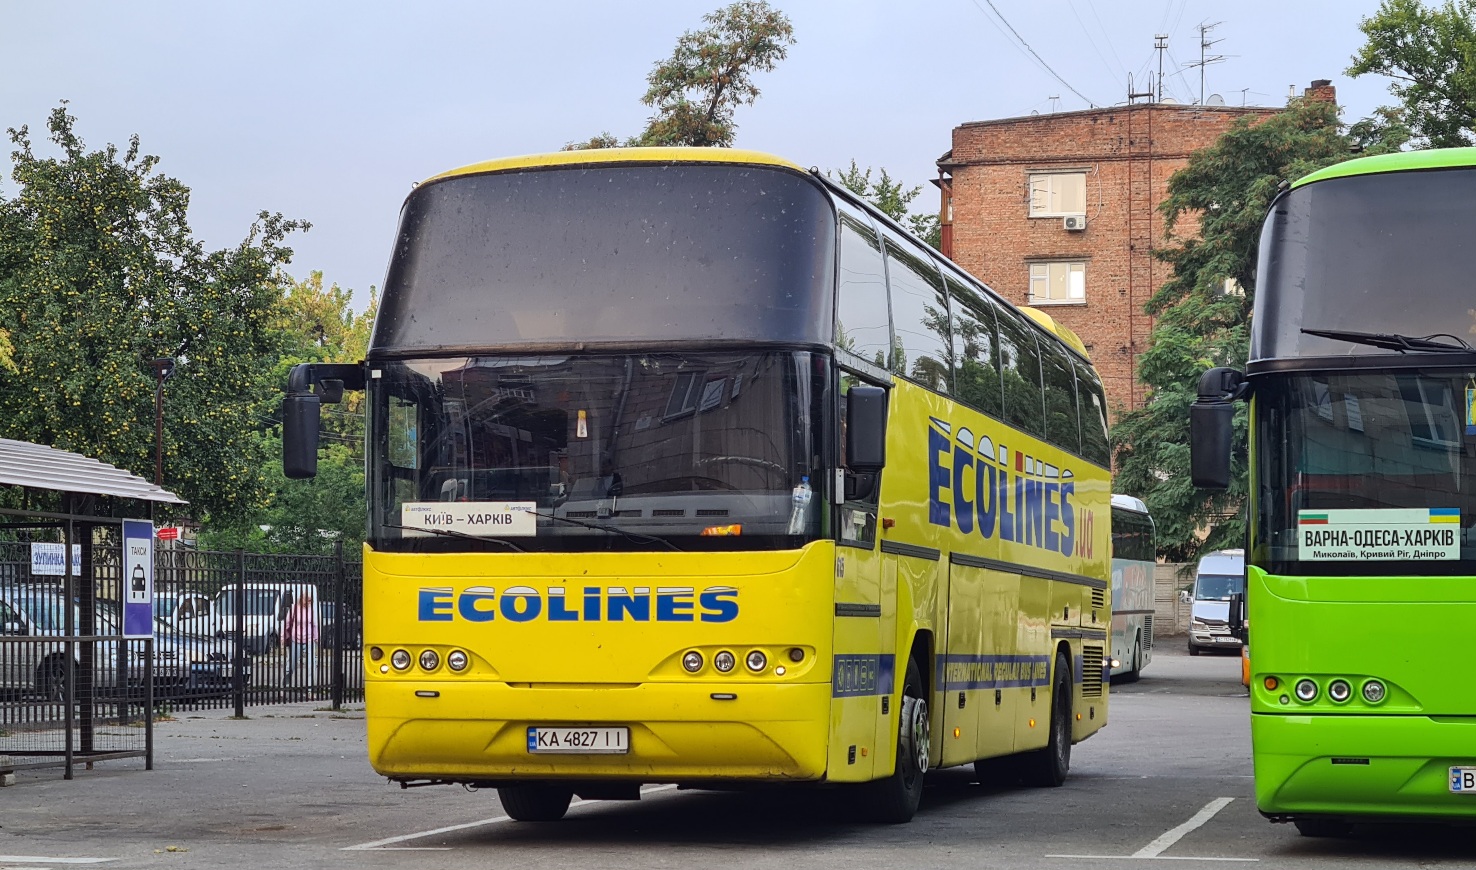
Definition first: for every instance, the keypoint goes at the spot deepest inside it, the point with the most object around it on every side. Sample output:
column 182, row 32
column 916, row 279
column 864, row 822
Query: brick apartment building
column 1062, row 212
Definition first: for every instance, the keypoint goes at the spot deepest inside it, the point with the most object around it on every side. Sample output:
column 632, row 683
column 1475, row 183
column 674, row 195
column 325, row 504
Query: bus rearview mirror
column 866, row 429
column 300, row 421
column 1209, row 443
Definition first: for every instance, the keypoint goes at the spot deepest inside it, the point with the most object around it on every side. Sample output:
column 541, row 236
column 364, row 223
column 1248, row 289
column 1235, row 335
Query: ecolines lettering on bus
column 1011, row 495
column 594, row 604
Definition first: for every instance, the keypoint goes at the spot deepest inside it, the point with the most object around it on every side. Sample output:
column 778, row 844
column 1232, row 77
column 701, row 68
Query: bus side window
column 862, row 323
column 1062, row 428
column 1092, row 409
column 975, row 347
column 919, row 315
column 862, row 491
column 1019, row 362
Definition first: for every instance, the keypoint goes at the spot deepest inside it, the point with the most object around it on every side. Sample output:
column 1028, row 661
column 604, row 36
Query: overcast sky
column 330, row 111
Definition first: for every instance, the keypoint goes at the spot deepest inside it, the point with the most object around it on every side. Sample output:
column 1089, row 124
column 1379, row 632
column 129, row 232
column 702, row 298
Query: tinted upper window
column 1019, row 362
column 1092, row 412
column 863, row 324
column 919, row 314
column 975, row 347
column 1062, row 429
column 611, row 253
column 1370, row 253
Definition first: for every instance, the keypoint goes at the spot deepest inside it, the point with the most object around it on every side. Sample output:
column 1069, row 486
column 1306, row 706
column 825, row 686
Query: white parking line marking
column 32, row 859
column 1153, row 851
column 381, row 845
column 1170, row 837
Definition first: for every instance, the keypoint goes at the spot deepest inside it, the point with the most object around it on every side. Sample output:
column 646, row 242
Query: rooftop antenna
column 1160, row 44
column 1205, row 60
column 1054, row 98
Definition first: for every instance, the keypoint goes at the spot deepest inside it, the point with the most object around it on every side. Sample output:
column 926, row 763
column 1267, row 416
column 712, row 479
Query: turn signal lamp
column 722, row 531
column 1271, row 683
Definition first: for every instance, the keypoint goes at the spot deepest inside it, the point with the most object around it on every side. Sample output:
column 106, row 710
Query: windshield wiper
column 1394, row 341
column 614, row 530
column 450, row 533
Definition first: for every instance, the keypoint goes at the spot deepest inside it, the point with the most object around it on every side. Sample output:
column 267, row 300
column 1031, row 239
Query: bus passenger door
column 864, row 669
column 1036, row 651
column 965, row 674
column 1000, row 700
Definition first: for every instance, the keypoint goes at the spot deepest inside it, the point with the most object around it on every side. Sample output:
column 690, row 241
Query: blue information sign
column 138, row 578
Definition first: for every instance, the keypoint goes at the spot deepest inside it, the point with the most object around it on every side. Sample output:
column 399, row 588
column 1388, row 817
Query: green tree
column 99, row 274
column 708, row 76
column 315, row 324
column 1227, row 189
column 892, row 198
column 1430, row 53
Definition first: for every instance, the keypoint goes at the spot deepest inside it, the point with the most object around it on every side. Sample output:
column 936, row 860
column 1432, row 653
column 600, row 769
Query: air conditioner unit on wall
column 1074, row 222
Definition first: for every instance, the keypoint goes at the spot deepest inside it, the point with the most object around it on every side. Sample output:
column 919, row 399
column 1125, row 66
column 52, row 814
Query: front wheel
column 1048, row 765
column 1132, row 675
column 895, row 799
column 535, row 803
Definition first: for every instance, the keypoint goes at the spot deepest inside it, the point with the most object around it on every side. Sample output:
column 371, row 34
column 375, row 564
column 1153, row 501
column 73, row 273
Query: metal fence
column 231, row 629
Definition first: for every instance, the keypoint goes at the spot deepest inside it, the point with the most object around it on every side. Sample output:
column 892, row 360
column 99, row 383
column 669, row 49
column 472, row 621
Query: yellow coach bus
column 687, row 466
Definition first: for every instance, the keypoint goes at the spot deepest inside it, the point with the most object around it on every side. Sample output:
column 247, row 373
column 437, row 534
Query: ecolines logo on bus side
column 1014, row 496
column 595, row 604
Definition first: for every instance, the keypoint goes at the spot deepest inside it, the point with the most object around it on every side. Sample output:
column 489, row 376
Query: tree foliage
column 1226, row 189
column 315, row 324
column 99, row 274
column 892, row 198
column 1430, row 53
column 708, row 76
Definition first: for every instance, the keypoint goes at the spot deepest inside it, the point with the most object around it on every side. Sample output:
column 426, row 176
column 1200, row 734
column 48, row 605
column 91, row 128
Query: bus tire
column 894, row 800
column 1132, row 675
column 535, row 803
column 1047, row 766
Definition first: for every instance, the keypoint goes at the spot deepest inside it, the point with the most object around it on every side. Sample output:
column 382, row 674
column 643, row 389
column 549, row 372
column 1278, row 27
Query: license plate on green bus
column 1463, row 780
column 579, row 741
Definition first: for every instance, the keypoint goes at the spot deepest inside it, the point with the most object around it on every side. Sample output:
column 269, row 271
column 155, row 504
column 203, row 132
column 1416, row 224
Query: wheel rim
column 919, row 736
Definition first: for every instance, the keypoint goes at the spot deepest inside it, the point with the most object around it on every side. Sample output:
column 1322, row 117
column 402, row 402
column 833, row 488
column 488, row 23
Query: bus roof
column 621, row 155
column 1061, row 331
column 1129, row 502
column 1404, row 161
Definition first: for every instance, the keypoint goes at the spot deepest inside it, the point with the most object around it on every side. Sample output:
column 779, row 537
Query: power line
column 1032, row 51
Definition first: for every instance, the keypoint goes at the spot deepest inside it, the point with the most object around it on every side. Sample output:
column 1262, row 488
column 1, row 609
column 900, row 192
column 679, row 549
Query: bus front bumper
column 1362, row 767
column 694, row 732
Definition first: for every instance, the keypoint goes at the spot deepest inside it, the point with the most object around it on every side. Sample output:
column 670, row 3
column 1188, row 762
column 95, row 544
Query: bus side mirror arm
column 308, row 386
column 1210, row 426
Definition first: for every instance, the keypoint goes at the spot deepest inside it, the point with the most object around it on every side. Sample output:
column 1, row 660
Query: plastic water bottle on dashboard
column 801, row 512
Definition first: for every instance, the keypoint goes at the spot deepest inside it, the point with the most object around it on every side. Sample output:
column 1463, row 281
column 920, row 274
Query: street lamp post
column 163, row 368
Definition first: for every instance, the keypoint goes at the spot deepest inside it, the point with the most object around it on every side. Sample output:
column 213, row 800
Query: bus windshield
column 1372, row 253
column 613, row 451
column 1375, row 472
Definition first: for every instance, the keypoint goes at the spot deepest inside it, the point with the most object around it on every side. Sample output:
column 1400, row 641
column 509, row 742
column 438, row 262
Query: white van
column 1220, row 575
column 266, row 606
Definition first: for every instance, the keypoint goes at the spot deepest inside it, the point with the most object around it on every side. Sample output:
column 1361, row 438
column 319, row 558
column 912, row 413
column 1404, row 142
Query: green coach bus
column 1361, row 565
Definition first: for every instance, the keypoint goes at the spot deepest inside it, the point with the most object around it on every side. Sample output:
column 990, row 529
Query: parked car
column 265, row 610
column 353, row 626
column 188, row 612
column 39, row 663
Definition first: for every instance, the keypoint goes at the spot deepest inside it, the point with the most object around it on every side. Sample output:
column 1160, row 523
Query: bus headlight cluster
column 757, row 661
column 429, row 660
column 692, row 661
column 1306, row 690
column 400, row 659
column 724, row 661
column 1373, row 691
column 456, row 660
column 1339, row 690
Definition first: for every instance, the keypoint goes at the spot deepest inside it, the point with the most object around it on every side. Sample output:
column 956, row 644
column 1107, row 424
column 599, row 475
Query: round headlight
column 757, row 661
column 429, row 660
column 1373, row 691
column 724, row 661
column 1306, row 690
column 456, row 660
column 400, row 659
column 1339, row 690
column 692, row 661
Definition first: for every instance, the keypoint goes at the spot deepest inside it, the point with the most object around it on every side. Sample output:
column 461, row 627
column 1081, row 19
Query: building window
column 1057, row 283
column 1053, row 194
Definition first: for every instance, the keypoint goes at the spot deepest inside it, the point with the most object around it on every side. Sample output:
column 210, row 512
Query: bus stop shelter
column 62, row 681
